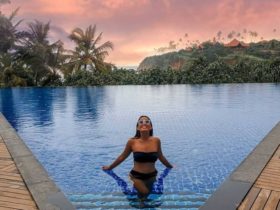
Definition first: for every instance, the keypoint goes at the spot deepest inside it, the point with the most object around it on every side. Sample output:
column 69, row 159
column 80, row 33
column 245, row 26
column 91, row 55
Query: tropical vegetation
column 28, row 58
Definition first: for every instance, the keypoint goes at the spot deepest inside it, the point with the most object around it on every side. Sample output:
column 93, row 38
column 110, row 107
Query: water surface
column 206, row 131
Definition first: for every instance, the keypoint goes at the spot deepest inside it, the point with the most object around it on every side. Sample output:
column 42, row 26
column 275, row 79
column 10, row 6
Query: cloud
column 5, row 2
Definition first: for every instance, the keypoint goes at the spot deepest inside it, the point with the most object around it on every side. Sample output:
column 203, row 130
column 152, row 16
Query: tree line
column 198, row 72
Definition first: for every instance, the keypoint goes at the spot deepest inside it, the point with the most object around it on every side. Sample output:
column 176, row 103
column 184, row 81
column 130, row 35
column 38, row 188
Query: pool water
column 205, row 130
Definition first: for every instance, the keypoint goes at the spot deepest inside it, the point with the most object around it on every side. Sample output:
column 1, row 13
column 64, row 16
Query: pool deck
column 255, row 183
column 24, row 183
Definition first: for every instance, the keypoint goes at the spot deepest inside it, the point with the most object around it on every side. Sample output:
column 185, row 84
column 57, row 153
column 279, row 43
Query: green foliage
column 8, row 32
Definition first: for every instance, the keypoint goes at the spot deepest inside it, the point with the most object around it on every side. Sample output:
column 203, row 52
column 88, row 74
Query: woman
column 146, row 150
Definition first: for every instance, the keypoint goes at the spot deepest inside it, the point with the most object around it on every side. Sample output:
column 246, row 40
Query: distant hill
column 230, row 53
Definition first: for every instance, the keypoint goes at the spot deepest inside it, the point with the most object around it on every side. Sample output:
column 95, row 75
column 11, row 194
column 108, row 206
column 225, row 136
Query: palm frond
column 77, row 35
column 14, row 13
column 97, row 40
column 104, row 47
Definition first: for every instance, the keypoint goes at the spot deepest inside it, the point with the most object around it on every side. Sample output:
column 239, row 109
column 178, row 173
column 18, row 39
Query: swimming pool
column 206, row 131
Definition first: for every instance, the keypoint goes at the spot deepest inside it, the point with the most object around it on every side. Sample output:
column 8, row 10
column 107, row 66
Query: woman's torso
column 145, row 154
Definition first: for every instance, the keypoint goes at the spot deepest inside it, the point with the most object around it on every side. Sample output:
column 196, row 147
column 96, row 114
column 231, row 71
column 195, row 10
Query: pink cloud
column 137, row 27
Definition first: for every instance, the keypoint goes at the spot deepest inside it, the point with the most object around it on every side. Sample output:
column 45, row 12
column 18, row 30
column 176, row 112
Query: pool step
column 120, row 201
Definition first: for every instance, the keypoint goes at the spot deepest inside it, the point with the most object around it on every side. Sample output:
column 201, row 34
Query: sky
column 141, row 28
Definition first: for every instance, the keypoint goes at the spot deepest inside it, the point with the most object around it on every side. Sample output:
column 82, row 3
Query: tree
column 8, row 32
column 87, row 54
column 11, row 72
column 275, row 70
column 38, row 54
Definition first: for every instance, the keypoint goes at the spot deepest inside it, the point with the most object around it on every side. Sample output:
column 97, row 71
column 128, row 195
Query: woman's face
column 144, row 124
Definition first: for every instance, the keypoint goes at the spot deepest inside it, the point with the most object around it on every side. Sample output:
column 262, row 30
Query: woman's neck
column 144, row 135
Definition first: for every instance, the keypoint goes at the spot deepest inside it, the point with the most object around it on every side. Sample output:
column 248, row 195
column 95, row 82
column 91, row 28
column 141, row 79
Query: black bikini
column 144, row 157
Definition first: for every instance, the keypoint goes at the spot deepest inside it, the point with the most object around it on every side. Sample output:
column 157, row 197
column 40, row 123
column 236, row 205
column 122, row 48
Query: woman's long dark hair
column 137, row 135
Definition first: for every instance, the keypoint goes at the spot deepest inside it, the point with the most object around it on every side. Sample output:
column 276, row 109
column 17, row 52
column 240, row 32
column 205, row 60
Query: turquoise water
column 206, row 131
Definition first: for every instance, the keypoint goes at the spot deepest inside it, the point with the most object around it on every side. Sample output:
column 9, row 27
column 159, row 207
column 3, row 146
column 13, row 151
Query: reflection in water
column 153, row 200
column 43, row 104
column 88, row 100
column 15, row 102
column 7, row 106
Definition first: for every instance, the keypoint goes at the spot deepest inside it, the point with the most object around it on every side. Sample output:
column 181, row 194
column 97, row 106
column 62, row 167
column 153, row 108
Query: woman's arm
column 121, row 158
column 161, row 156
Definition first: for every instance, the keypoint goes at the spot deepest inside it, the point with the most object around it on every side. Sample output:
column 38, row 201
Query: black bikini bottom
column 143, row 176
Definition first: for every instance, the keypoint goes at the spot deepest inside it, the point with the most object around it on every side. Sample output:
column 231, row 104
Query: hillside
column 230, row 53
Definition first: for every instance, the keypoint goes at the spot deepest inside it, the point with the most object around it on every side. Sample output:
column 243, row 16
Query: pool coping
column 235, row 188
column 44, row 191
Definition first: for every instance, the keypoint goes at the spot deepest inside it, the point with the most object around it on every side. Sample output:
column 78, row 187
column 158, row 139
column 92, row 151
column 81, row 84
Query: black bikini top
column 145, row 157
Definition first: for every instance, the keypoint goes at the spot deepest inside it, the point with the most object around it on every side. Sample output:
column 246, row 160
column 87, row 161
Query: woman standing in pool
column 146, row 150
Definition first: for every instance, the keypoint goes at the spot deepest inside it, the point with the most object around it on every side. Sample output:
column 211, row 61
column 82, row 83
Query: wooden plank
column 15, row 190
column 15, row 195
column 249, row 199
column 5, row 156
column 267, row 173
column 274, row 162
column 261, row 200
column 16, row 206
column 10, row 178
column 7, row 173
column 268, row 184
column 273, row 175
column 11, row 168
column 270, row 179
column 268, row 187
column 272, row 169
column 6, row 161
column 3, row 149
column 5, row 208
column 12, row 182
column 272, row 166
column 17, row 201
column 14, row 186
column 273, row 201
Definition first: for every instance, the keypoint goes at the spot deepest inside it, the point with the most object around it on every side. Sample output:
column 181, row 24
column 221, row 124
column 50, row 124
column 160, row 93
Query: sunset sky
column 138, row 27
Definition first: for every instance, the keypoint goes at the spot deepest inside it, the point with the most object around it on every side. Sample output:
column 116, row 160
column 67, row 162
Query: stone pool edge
column 234, row 189
column 43, row 189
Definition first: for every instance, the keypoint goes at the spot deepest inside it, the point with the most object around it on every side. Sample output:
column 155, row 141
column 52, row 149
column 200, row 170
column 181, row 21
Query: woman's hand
column 170, row 166
column 106, row 168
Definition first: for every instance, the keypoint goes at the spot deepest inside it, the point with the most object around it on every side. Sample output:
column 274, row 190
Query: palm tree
column 87, row 54
column 8, row 32
column 10, row 71
column 38, row 53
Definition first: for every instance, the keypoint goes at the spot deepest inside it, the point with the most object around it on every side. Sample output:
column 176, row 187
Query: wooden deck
column 265, row 193
column 13, row 191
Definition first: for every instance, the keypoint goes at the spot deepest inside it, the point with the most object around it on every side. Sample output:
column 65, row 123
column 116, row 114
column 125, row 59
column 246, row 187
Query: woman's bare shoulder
column 131, row 140
column 155, row 138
